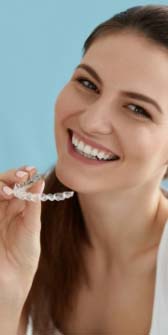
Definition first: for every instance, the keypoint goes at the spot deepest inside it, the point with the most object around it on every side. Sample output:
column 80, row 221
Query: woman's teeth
column 95, row 157
column 89, row 152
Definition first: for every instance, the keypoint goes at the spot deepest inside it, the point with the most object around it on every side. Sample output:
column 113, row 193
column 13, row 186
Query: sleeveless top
column 159, row 324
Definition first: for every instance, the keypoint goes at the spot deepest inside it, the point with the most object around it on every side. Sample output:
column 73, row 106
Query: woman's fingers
column 33, row 209
column 11, row 177
column 20, row 247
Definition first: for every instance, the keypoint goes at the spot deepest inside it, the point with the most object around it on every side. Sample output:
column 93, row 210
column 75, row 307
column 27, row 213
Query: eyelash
column 145, row 113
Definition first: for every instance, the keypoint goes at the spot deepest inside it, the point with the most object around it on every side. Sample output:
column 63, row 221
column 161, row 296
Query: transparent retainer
column 19, row 191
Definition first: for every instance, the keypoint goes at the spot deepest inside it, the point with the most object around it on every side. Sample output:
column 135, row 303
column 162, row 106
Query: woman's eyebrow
column 129, row 94
column 89, row 69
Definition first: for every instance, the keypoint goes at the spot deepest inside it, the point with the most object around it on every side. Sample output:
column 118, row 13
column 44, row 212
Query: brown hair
column 61, row 269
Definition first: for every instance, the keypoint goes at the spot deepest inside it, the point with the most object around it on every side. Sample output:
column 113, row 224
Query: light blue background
column 41, row 43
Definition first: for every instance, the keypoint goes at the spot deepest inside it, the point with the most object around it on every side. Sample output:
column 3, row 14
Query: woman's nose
column 98, row 117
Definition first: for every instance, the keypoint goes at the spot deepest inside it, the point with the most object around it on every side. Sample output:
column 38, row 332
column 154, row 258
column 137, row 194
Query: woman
column 98, row 262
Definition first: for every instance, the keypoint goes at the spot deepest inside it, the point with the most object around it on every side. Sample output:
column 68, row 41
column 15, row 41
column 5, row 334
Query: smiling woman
column 99, row 248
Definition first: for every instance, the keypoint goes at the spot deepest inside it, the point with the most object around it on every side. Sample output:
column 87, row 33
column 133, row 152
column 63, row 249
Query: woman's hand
column 20, row 226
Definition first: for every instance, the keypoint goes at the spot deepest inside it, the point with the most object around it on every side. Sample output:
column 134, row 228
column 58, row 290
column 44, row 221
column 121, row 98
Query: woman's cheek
column 68, row 105
column 63, row 103
column 72, row 101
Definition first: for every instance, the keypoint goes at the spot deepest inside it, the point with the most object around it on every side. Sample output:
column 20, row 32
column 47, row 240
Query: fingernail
column 21, row 174
column 7, row 190
column 29, row 168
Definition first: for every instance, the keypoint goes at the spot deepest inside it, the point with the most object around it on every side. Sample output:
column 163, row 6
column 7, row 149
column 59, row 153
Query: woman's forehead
column 117, row 59
column 121, row 48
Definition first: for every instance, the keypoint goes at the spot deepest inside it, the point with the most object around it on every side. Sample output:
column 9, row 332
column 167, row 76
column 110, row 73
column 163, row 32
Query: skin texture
column 121, row 201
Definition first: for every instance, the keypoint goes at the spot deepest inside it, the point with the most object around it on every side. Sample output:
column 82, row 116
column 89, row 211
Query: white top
column 29, row 329
column 159, row 324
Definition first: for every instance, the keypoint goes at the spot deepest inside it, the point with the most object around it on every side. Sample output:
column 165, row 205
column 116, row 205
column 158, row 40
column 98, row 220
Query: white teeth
column 101, row 155
column 95, row 152
column 87, row 149
column 80, row 145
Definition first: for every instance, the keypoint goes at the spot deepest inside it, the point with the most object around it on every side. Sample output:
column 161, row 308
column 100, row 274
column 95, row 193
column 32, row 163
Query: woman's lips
column 82, row 158
column 91, row 143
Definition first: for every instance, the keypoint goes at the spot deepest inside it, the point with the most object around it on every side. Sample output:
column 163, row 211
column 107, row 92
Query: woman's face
column 134, row 129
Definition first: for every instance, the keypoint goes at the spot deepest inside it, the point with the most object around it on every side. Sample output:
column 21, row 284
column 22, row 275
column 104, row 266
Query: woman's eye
column 87, row 84
column 140, row 112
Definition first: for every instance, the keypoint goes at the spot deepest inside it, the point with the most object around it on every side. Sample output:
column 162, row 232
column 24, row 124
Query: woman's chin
column 70, row 181
column 64, row 177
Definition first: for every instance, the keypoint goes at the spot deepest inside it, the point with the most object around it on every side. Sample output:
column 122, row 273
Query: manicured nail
column 7, row 190
column 21, row 174
column 29, row 168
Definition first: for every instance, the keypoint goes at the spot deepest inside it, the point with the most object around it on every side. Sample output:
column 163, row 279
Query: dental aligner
column 19, row 191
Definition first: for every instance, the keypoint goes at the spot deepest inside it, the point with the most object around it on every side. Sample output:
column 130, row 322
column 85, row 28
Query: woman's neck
column 122, row 228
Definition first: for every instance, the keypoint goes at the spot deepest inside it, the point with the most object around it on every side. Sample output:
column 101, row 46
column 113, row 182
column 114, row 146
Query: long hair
column 61, row 269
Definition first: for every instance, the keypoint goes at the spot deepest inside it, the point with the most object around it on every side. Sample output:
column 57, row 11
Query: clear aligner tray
column 19, row 191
